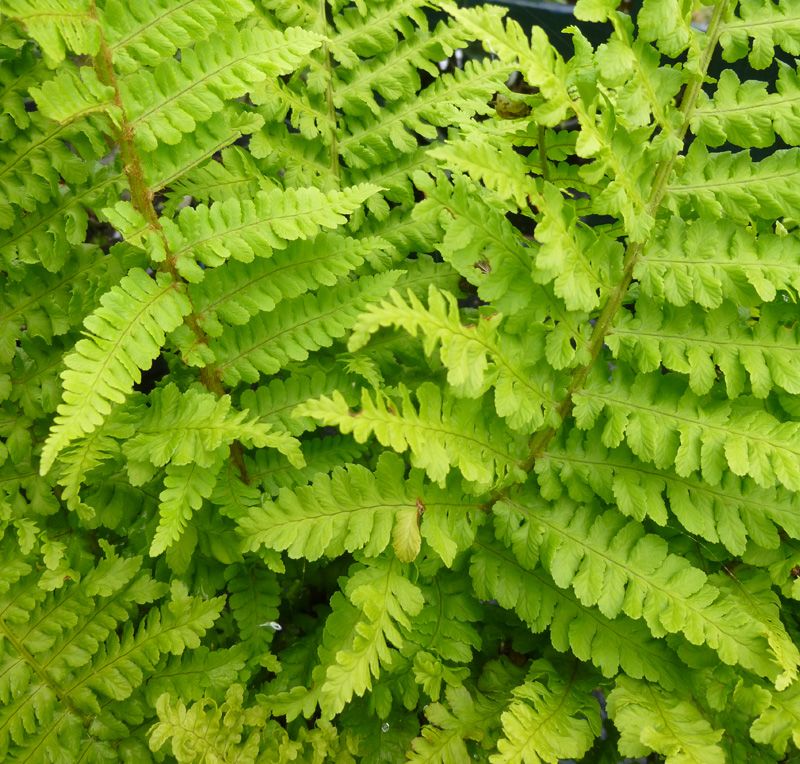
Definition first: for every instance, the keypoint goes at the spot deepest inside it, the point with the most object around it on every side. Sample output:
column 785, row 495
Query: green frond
column 385, row 601
column 441, row 432
column 451, row 99
column 167, row 165
column 778, row 723
column 733, row 186
column 476, row 355
column 242, row 229
column 295, row 329
column 16, row 76
column 275, row 402
column 254, row 598
column 193, row 426
column 33, row 163
column 53, row 233
column 375, row 30
column 144, row 34
column 764, row 26
column 692, row 433
column 463, row 717
column 479, row 242
column 745, row 114
column 729, row 513
column 553, row 715
column 185, row 488
column 611, row 562
column 649, row 720
column 397, row 72
column 235, row 292
column 43, row 304
column 236, row 175
column 611, row 644
column 273, row 471
column 352, row 509
column 74, row 94
column 752, row 590
column 695, row 342
column 705, row 261
column 127, row 333
column 177, row 95
column 205, row 732
column 57, row 25
column 196, row 673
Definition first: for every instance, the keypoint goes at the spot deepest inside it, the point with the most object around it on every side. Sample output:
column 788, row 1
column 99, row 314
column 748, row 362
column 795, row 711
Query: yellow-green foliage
column 358, row 406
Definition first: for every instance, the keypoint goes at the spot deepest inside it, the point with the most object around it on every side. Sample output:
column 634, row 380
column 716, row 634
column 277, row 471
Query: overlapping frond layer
column 476, row 355
column 730, row 513
column 295, row 329
column 144, row 34
column 560, row 710
column 441, row 433
column 170, row 101
column 126, row 334
column 694, row 434
column 614, row 564
column 705, row 261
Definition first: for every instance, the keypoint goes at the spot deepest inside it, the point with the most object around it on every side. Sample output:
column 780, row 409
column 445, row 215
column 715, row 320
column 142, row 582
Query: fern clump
column 358, row 405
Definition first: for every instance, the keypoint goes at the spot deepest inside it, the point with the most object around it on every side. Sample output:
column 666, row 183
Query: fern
column 369, row 396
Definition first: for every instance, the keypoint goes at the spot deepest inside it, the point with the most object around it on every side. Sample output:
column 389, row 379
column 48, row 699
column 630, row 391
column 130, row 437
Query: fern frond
column 204, row 732
column 254, row 598
column 476, row 355
column 235, row 175
column 274, row 403
column 185, row 488
column 477, row 235
column 166, row 165
column 33, row 163
column 745, row 114
column 385, row 601
column 697, row 343
column 53, row 232
column 726, row 261
column 235, row 292
column 440, row 432
column 352, row 509
column 692, row 433
column 442, row 739
column 57, row 25
column 451, row 99
column 243, row 228
column 551, row 717
column 610, row 644
column 397, row 72
column 651, row 720
column 732, row 185
column 273, row 471
column 731, row 512
column 295, row 329
column 43, row 304
column 144, row 34
column 765, row 26
column 192, row 426
column 776, row 725
column 127, row 333
column 75, row 93
column 176, row 96
column 614, row 564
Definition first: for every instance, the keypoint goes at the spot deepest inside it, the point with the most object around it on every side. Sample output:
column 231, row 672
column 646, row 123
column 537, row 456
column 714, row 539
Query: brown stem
column 142, row 201
column 633, row 250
